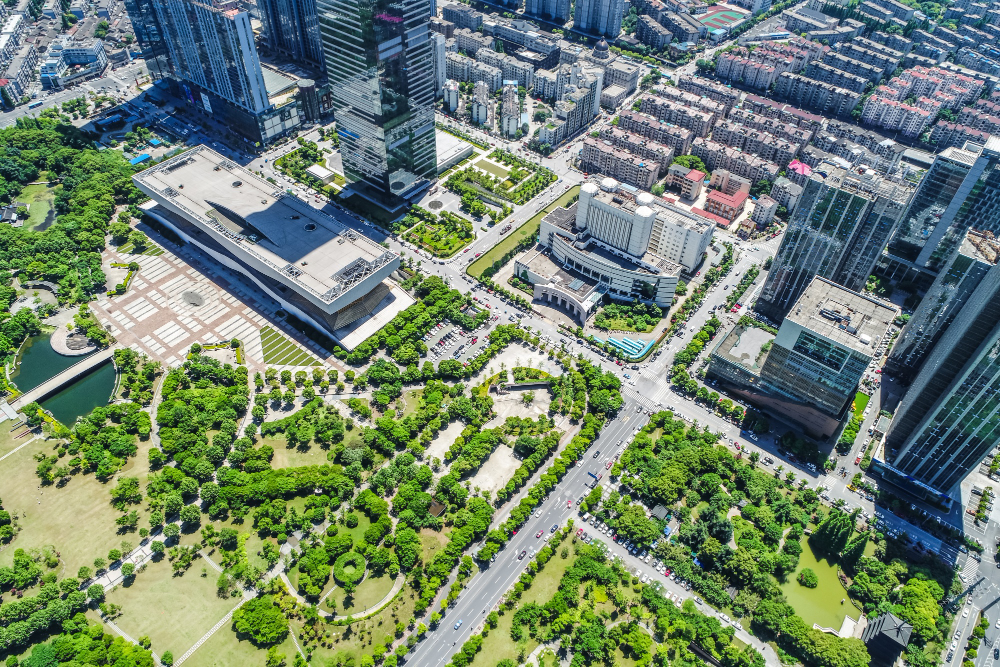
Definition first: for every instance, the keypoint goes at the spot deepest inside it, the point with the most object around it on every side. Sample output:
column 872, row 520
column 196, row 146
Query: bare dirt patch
column 497, row 470
column 443, row 440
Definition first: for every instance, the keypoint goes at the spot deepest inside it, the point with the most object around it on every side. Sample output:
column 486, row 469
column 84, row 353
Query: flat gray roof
column 259, row 218
column 851, row 320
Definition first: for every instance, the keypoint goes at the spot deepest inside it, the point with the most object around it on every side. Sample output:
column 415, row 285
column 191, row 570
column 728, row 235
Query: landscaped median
column 518, row 240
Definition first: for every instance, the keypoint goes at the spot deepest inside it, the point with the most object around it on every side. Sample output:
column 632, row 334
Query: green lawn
column 860, row 403
column 224, row 649
column 368, row 594
column 279, row 350
column 173, row 611
column 40, row 199
column 530, row 228
column 151, row 250
column 495, row 169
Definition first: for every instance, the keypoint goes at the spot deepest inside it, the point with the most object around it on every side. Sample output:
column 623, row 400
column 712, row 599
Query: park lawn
column 528, row 229
column 280, row 351
column 623, row 325
column 292, row 457
column 40, row 199
column 173, row 611
column 368, row 594
column 495, row 169
column 224, row 649
column 9, row 443
column 431, row 542
column 76, row 519
column 357, row 638
column 860, row 403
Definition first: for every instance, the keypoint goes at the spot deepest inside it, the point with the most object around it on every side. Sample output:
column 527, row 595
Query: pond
column 38, row 362
column 821, row 604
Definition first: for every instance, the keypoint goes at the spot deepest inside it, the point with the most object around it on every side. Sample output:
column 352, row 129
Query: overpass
column 57, row 382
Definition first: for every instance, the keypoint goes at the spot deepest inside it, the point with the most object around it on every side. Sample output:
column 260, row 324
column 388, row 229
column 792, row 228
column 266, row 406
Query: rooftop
column 695, row 175
column 734, row 200
column 318, row 254
column 981, row 245
column 850, row 319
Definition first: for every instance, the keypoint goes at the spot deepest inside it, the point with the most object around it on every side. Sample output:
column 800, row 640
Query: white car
column 965, row 612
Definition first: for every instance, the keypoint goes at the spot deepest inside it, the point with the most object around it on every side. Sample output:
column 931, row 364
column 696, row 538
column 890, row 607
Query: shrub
column 808, row 578
column 350, row 558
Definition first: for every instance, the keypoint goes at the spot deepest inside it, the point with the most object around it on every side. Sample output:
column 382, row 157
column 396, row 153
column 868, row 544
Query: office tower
column 149, row 37
column 440, row 62
column 599, row 17
column 291, row 27
column 555, row 10
column 380, row 64
column 955, row 283
column 837, row 231
column 810, row 370
column 930, row 202
column 949, row 418
column 214, row 49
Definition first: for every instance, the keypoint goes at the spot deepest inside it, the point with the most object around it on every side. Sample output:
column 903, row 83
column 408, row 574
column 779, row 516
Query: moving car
column 459, row 624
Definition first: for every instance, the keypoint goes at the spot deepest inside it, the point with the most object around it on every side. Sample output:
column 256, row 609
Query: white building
column 440, row 64
column 510, row 111
column 451, row 95
column 482, row 106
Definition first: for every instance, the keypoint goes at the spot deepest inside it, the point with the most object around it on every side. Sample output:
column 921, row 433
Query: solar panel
column 576, row 284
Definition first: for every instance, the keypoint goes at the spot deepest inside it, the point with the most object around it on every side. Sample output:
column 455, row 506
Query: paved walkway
column 396, row 586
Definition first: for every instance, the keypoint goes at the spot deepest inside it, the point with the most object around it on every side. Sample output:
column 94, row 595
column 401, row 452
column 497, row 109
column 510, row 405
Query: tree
column 691, row 162
column 262, row 621
column 167, row 658
column 808, row 578
column 138, row 239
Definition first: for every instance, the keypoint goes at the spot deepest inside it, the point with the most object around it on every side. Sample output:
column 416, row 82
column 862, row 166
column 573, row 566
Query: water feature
column 38, row 362
column 821, row 604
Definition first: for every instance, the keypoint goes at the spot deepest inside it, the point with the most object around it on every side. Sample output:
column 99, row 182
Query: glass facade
column 950, row 417
column 380, row 64
column 937, row 190
column 149, row 37
column 291, row 27
column 838, row 230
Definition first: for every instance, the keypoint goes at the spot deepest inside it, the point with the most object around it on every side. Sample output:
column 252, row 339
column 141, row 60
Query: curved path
column 396, row 586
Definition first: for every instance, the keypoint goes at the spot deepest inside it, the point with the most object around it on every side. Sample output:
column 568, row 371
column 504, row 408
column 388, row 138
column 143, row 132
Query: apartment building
column 977, row 61
column 803, row 19
column 602, row 157
column 652, row 34
column 706, row 104
column 786, row 131
column 908, row 120
column 860, row 68
column 786, row 193
column 482, row 108
column 764, row 210
column 689, row 181
column 451, row 96
column 510, row 67
column 577, row 105
column 757, row 142
column 462, row 16
column 683, row 26
column 663, row 109
column 823, row 97
column 677, row 138
column 896, row 9
column 510, row 111
column 471, row 42
column 980, row 119
column 786, row 113
column 745, row 71
column 716, row 155
column 820, row 71
column 639, row 145
column 710, row 89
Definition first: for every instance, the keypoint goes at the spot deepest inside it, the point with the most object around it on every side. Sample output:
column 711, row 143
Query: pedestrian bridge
column 57, row 382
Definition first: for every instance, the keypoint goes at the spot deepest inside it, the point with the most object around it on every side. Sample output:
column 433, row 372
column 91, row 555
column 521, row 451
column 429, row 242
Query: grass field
column 224, row 649
column 173, row 611
column 368, row 594
column 432, row 542
column 495, row 169
column 530, row 228
column 293, row 457
column 40, row 199
column 860, row 403
column 77, row 519
column 280, row 351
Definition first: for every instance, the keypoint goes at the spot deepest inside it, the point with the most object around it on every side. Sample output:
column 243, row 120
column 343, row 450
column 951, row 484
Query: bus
column 35, row 105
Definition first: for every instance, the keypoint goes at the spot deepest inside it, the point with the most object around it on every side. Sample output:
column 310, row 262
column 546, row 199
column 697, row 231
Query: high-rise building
column 949, row 418
column 380, row 65
column 599, row 17
column 961, row 190
column 149, row 37
column 555, row 10
column 291, row 27
column 440, row 62
column 957, row 281
column 838, row 230
column 810, row 370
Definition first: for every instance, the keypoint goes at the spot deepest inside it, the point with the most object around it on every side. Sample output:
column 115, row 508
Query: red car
column 878, row 370
column 539, row 533
column 579, row 532
column 857, row 460
column 737, row 445
column 478, row 254
column 569, row 503
column 608, row 466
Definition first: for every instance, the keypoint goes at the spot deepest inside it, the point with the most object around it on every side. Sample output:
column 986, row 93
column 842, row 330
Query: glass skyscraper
column 291, row 27
column 838, row 230
column 949, row 418
column 380, row 65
